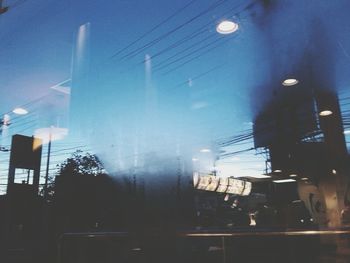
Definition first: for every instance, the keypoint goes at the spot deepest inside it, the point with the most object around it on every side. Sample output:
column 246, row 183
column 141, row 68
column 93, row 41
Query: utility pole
column 47, row 165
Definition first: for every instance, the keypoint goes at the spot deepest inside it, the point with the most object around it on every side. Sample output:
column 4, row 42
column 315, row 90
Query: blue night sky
column 177, row 102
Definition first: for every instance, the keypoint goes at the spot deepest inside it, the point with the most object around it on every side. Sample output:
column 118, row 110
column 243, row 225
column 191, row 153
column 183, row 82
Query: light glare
column 51, row 134
column 261, row 176
column 284, row 181
column 20, row 111
column 325, row 113
column 290, row 82
column 226, row 27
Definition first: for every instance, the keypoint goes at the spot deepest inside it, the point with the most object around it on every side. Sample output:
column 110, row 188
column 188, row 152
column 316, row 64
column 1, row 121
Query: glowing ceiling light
column 194, row 159
column 259, row 176
column 347, row 132
column 226, row 27
column 205, row 150
column 325, row 113
column 20, row 111
column 284, row 181
column 290, row 82
column 293, row 175
column 334, row 171
column 304, row 179
column 277, row 171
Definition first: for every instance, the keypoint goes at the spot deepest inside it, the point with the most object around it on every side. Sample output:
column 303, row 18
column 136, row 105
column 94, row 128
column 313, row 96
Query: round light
column 20, row 111
column 205, row 151
column 277, row 171
column 226, row 27
column 304, row 179
column 325, row 113
column 334, row 171
column 293, row 175
column 290, row 82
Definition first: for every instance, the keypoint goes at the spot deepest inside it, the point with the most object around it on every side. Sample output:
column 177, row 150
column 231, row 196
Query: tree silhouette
column 84, row 197
column 81, row 164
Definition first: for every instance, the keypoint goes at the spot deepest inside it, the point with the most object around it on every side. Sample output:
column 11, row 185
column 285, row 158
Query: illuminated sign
column 213, row 183
column 221, row 185
column 203, row 182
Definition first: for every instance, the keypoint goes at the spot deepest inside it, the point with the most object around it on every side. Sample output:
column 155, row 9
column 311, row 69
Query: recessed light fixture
column 259, row 176
column 284, row 181
column 334, row 171
column 290, row 82
column 325, row 113
column 20, row 111
column 205, row 150
column 277, row 171
column 293, row 175
column 226, row 27
column 304, row 179
column 194, row 159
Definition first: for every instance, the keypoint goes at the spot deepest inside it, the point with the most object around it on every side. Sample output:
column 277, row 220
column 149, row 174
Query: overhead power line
column 198, row 56
column 177, row 28
column 153, row 28
column 200, row 75
column 170, row 62
column 198, row 31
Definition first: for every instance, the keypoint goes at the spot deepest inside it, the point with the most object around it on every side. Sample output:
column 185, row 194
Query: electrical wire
column 202, row 29
column 198, row 56
column 153, row 28
column 177, row 28
column 200, row 75
column 160, row 65
column 201, row 41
